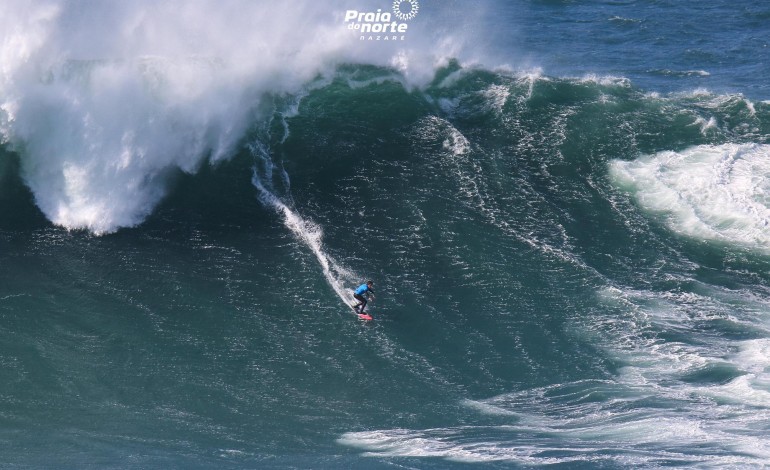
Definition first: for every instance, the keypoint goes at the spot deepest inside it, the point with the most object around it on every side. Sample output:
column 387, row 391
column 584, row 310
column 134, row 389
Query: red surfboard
column 362, row 316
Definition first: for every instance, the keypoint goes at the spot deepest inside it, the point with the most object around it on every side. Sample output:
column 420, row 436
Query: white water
column 103, row 100
column 719, row 193
column 652, row 413
column 309, row 233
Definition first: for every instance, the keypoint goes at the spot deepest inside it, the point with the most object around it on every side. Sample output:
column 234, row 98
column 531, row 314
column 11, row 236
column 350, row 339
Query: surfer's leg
column 361, row 302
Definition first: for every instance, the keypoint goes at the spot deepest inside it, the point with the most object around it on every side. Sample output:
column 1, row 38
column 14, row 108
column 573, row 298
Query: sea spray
column 103, row 101
column 309, row 233
column 706, row 192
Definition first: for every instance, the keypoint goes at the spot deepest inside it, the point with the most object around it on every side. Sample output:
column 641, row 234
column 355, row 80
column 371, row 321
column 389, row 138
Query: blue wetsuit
column 359, row 296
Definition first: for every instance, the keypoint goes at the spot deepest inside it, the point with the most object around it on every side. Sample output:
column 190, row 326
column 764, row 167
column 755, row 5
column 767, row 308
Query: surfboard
column 361, row 316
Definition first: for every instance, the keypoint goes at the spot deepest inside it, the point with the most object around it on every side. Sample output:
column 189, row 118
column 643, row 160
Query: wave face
column 614, row 217
column 570, row 271
column 102, row 124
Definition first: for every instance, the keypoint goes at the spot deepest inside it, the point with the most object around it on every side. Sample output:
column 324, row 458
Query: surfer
column 363, row 289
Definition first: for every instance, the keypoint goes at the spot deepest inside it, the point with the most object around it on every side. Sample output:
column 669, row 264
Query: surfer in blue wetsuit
column 363, row 290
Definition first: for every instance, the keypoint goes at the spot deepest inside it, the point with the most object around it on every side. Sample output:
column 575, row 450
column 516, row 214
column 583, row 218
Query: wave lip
column 718, row 193
column 167, row 87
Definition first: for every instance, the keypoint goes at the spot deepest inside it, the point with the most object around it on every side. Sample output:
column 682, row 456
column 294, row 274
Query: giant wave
column 599, row 250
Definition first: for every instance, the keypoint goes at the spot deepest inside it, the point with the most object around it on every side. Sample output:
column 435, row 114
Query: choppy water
column 570, row 252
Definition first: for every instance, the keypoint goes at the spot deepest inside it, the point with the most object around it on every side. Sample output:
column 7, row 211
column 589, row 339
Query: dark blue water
column 563, row 207
column 660, row 46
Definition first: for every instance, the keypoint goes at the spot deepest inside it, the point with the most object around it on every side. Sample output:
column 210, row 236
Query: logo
column 383, row 26
column 405, row 10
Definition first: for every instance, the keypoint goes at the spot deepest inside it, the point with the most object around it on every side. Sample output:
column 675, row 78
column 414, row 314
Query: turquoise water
column 570, row 253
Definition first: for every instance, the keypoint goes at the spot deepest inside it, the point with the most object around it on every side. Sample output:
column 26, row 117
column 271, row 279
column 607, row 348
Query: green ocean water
column 570, row 262
column 530, row 308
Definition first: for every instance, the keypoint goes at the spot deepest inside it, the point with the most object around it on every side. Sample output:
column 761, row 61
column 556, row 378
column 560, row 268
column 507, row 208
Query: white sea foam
column 646, row 441
column 309, row 233
column 705, row 125
column 529, row 78
column 707, row 192
column 497, row 96
column 104, row 99
column 754, row 355
column 662, row 367
column 456, row 142
column 648, row 415
column 751, row 108
column 605, row 80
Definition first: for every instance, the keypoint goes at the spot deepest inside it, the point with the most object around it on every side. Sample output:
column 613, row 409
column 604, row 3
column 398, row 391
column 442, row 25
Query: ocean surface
column 564, row 207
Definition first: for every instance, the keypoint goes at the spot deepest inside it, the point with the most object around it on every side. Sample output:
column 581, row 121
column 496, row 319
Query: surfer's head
column 369, row 283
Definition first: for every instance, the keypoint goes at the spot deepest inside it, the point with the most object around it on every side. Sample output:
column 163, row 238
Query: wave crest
column 706, row 192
